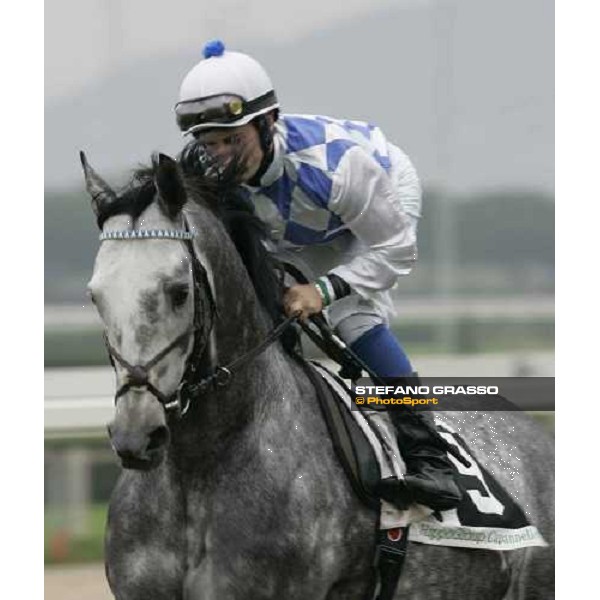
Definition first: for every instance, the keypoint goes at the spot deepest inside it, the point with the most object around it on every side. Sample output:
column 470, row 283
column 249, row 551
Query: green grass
column 61, row 546
column 546, row 419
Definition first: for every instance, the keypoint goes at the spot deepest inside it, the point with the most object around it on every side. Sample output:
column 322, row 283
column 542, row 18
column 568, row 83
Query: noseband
column 204, row 313
column 137, row 375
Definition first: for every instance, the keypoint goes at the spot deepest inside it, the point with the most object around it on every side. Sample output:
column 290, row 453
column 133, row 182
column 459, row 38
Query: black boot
column 429, row 479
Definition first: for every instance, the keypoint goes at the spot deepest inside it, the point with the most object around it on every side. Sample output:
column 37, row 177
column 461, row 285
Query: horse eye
column 179, row 295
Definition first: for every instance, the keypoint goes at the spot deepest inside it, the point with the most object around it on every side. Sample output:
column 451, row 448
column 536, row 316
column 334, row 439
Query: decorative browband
column 145, row 234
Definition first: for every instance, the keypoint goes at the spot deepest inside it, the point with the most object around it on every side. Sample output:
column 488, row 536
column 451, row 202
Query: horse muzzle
column 139, row 434
column 142, row 450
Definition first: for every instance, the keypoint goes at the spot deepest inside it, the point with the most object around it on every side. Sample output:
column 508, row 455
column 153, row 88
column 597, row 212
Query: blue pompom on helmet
column 213, row 48
column 225, row 89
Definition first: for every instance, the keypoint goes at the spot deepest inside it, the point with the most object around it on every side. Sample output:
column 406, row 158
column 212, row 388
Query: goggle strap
column 189, row 120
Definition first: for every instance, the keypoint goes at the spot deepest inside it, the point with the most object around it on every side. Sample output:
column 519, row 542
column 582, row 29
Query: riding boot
column 429, row 479
column 430, row 476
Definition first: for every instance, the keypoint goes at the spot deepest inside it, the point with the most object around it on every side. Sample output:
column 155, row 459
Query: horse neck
column 241, row 323
column 216, row 419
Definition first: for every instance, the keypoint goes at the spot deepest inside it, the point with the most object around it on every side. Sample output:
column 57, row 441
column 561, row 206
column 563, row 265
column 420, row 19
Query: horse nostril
column 126, row 454
column 158, row 438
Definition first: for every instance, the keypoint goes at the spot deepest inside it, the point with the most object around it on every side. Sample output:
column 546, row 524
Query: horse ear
column 171, row 191
column 101, row 193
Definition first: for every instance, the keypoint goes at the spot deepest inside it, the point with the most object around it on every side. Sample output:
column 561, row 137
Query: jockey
column 338, row 197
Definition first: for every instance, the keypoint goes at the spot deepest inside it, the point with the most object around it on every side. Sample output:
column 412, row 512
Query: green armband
column 325, row 290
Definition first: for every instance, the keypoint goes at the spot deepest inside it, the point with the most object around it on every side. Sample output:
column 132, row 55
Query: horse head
column 154, row 299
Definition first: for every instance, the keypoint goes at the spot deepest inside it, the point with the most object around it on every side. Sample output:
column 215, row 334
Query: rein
column 221, row 376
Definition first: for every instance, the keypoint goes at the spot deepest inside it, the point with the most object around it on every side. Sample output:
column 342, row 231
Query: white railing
column 518, row 308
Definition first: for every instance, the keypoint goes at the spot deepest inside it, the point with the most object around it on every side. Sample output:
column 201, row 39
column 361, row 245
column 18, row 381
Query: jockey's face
column 224, row 143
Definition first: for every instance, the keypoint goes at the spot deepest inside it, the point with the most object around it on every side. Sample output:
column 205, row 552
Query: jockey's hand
column 302, row 298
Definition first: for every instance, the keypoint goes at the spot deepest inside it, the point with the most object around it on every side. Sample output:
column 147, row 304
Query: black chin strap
column 265, row 136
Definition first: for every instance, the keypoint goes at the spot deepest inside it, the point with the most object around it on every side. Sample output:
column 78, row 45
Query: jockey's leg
column 430, row 475
column 382, row 352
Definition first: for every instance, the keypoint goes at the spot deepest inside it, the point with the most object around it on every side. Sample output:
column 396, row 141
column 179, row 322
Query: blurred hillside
column 505, row 244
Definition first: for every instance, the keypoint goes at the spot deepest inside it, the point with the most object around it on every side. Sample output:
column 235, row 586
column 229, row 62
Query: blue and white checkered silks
column 331, row 177
column 298, row 200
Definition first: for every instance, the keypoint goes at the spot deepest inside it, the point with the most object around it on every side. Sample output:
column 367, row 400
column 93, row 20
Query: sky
column 106, row 34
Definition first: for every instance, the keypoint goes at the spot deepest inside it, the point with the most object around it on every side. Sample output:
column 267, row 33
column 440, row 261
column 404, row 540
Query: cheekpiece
column 145, row 234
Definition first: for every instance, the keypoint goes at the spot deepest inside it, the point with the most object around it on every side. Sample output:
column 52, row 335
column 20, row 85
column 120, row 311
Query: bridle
column 203, row 320
column 191, row 382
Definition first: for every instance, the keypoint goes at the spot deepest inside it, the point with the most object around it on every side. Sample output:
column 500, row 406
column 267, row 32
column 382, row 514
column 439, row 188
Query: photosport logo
column 404, row 401
column 456, row 394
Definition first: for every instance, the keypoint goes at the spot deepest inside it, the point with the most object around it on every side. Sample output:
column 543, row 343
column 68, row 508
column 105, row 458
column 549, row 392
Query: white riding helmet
column 226, row 89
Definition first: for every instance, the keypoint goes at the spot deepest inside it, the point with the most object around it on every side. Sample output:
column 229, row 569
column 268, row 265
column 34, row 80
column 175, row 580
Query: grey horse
column 235, row 493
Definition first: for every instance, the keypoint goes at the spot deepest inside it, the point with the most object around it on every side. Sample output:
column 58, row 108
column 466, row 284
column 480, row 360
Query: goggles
column 224, row 109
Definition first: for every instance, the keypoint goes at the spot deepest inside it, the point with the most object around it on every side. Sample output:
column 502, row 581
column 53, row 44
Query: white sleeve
column 372, row 205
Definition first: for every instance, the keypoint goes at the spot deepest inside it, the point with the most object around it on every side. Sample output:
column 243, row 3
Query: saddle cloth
column 487, row 517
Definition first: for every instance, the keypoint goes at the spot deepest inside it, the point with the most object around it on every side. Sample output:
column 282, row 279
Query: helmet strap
column 265, row 136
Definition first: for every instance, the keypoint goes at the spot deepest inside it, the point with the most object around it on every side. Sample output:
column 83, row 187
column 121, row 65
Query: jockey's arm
column 374, row 207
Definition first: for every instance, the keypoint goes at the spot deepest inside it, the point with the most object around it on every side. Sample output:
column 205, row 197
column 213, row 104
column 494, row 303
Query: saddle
column 352, row 448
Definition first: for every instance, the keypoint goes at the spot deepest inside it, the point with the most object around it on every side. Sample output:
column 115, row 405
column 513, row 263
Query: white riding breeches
column 349, row 317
